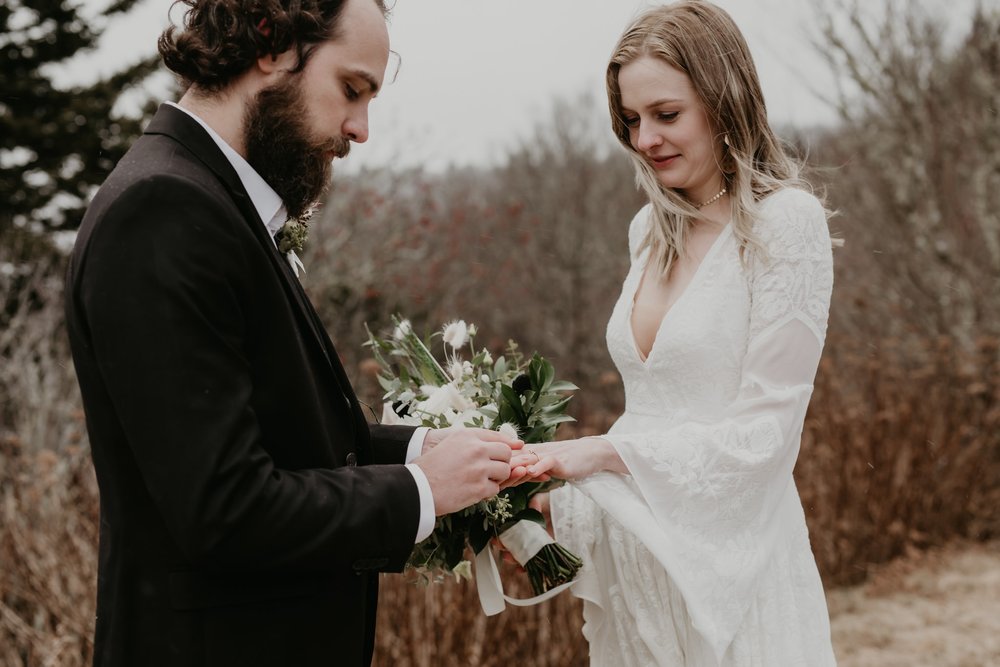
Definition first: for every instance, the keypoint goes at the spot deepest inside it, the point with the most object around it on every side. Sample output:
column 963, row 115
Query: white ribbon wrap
column 524, row 539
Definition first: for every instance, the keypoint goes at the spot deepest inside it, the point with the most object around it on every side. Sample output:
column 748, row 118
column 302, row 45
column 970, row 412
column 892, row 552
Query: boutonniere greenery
column 291, row 238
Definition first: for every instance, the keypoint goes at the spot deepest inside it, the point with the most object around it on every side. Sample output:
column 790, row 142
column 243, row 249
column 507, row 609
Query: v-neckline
column 644, row 360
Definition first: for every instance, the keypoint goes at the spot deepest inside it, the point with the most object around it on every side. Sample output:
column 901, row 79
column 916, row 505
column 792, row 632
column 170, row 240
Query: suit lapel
column 179, row 126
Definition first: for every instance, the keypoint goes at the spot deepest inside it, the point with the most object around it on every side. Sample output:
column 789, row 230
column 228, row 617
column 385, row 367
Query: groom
column 246, row 505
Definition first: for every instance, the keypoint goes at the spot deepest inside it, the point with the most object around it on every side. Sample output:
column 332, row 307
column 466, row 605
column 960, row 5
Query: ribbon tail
column 491, row 595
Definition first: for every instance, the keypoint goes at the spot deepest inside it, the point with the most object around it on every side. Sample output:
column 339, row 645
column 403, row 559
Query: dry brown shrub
column 48, row 546
column 443, row 625
column 901, row 450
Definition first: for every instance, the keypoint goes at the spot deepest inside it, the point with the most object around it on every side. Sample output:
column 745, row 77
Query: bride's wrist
column 609, row 458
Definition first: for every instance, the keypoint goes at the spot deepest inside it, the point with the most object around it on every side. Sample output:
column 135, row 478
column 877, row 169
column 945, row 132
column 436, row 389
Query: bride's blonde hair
column 701, row 40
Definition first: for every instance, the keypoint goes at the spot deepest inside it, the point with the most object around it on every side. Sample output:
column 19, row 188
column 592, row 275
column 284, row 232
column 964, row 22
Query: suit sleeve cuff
column 426, row 524
column 416, row 445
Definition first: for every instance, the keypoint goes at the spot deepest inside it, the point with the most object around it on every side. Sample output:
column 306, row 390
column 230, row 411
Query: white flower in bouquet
column 456, row 334
column 456, row 369
column 508, row 430
column 402, row 329
column 390, row 418
column 463, row 571
column 445, row 397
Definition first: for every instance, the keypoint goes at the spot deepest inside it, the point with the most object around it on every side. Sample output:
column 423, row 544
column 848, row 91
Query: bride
column 686, row 512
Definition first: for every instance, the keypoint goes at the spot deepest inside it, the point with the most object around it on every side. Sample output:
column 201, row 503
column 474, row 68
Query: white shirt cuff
column 416, row 445
column 426, row 525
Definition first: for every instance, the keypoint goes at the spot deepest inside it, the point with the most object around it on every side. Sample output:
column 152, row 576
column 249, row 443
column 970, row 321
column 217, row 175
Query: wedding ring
column 537, row 457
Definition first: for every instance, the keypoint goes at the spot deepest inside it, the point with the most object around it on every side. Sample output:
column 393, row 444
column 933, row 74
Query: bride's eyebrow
column 666, row 100
column 654, row 104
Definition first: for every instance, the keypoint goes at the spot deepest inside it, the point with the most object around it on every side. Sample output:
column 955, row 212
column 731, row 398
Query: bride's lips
column 663, row 162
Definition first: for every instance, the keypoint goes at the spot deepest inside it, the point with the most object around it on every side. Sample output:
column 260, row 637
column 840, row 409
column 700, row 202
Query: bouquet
column 510, row 393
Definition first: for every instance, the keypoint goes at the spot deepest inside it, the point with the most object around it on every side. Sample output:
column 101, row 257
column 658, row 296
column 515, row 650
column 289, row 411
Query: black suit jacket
column 246, row 504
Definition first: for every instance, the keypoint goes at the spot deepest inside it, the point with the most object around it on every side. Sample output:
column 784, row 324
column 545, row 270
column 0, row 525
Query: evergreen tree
column 56, row 145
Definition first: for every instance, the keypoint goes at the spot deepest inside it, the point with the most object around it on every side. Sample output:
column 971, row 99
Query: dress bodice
column 693, row 366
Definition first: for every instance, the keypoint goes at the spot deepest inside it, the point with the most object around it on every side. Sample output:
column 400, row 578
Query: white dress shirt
column 271, row 210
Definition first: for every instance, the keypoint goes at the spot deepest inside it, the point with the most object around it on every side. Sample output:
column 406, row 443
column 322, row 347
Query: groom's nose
column 356, row 126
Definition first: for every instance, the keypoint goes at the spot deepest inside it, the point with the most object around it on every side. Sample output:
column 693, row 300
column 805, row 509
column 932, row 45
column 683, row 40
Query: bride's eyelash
column 667, row 117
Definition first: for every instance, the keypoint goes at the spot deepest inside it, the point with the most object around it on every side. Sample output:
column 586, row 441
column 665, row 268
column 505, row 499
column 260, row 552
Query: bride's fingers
column 543, row 466
column 518, row 474
column 523, row 459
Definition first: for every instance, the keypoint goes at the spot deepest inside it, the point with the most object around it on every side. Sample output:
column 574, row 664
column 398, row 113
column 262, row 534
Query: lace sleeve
column 716, row 489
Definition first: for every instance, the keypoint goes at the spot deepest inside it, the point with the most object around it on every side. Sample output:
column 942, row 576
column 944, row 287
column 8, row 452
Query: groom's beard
column 283, row 151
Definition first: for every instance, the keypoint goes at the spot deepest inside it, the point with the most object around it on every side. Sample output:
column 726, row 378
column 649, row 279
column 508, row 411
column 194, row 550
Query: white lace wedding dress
column 700, row 557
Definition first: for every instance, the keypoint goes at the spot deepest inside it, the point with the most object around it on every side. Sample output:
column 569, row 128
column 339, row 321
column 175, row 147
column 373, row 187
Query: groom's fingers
column 498, row 471
column 498, row 451
column 493, row 445
column 497, row 436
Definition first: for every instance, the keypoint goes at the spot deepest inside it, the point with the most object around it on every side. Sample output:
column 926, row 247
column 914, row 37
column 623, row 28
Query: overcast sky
column 477, row 76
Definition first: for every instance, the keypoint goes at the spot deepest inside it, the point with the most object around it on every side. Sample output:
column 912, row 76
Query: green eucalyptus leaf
column 513, row 401
column 479, row 536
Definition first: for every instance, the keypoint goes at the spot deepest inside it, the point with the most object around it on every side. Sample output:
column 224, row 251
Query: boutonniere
column 292, row 236
column 291, row 239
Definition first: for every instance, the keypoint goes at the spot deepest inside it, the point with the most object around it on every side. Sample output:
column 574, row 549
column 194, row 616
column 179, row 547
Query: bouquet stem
column 552, row 566
column 547, row 563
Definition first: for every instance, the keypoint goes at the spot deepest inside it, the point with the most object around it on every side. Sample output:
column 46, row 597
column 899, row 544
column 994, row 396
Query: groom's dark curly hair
column 221, row 39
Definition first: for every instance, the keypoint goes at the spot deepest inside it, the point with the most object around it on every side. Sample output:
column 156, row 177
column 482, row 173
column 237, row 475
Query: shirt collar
column 263, row 197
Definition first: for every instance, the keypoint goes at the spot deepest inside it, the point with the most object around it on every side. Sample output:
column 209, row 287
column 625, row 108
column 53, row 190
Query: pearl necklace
column 712, row 200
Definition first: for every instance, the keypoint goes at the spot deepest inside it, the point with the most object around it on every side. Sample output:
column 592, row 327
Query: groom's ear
column 269, row 65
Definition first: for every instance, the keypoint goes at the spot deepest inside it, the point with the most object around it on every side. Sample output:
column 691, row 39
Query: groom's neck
column 222, row 111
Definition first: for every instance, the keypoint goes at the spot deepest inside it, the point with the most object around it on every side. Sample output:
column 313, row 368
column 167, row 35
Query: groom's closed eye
column 359, row 79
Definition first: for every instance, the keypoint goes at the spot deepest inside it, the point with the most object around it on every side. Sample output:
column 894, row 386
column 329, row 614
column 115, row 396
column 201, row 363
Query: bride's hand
column 573, row 459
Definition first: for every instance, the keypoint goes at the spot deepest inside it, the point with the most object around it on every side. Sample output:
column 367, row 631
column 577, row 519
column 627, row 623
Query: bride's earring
column 725, row 140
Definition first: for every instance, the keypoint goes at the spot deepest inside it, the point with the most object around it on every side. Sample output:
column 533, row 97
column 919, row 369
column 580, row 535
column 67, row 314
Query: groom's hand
column 466, row 466
column 435, row 436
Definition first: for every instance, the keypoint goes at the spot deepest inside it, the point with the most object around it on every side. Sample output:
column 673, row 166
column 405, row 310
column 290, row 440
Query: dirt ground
column 939, row 609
